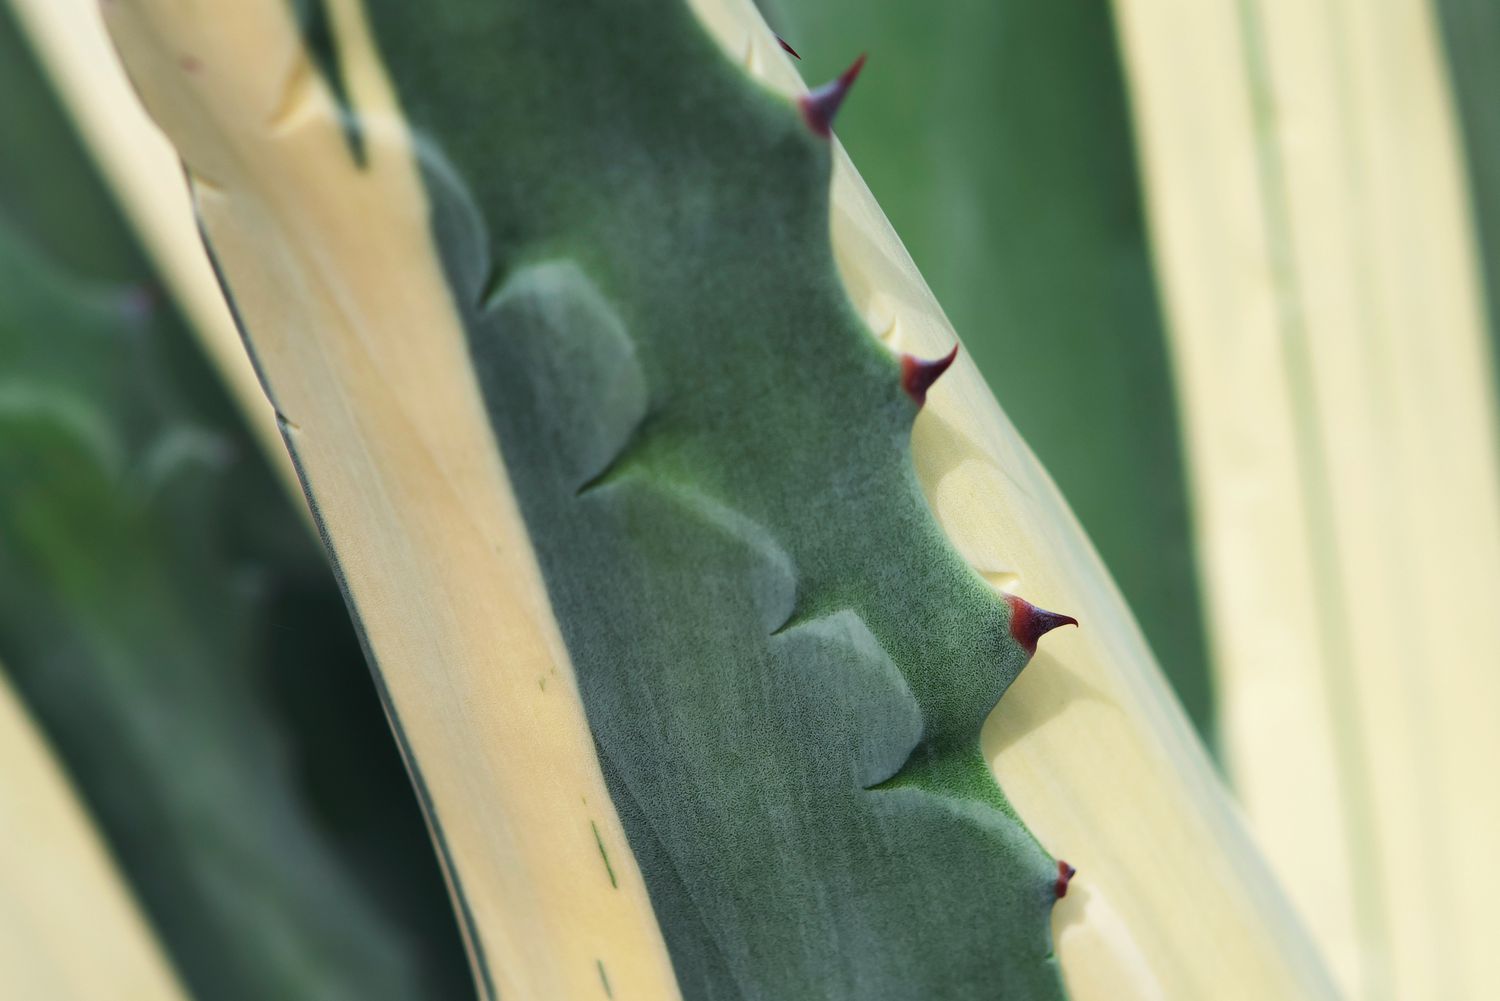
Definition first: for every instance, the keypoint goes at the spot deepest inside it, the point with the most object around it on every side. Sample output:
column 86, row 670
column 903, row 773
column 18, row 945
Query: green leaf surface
column 997, row 138
column 170, row 624
column 784, row 662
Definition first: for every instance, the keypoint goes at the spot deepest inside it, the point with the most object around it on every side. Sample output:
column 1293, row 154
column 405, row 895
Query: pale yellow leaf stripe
column 70, row 929
column 1171, row 900
column 1309, row 216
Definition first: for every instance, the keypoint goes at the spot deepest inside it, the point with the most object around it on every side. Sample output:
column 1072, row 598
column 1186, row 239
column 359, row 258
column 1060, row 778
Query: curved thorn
column 820, row 105
column 1029, row 623
column 918, row 375
column 1065, row 874
column 787, row 47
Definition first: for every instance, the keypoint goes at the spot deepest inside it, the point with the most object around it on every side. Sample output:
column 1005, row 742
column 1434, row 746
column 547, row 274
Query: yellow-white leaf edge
column 70, row 929
column 1310, row 219
column 332, row 267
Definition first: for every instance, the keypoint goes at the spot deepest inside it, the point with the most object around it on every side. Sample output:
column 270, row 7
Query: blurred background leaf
column 1312, row 258
column 998, row 140
column 172, row 626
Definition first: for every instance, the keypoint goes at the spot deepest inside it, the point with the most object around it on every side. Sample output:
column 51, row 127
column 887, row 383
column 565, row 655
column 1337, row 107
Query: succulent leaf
column 821, row 105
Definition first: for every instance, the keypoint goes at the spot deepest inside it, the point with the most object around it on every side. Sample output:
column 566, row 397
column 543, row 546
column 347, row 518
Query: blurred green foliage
column 170, row 622
column 997, row 138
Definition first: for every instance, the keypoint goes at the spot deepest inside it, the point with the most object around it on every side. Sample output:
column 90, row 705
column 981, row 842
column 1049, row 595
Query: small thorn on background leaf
column 787, row 48
column 139, row 301
column 918, row 375
column 820, row 105
column 1029, row 623
column 1065, row 874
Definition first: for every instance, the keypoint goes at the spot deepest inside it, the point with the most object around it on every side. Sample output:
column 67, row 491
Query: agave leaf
column 68, row 38
column 70, row 929
column 1311, row 224
column 624, row 277
column 167, row 622
column 998, row 139
column 1094, row 731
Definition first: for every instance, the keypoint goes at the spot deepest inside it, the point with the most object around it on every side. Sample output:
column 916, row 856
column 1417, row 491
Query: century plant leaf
column 70, row 930
column 998, row 139
column 171, row 627
column 1310, row 219
column 701, row 492
column 1094, row 733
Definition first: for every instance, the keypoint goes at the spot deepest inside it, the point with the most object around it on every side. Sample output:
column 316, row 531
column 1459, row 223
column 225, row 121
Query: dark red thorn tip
column 1065, row 874
column 1029, row 623
column 918, row 374
column 820, row 105
column 787, row 48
